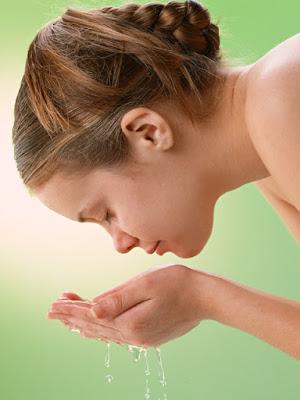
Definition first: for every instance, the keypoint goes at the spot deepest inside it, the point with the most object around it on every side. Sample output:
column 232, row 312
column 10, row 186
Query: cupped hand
column 148, row 310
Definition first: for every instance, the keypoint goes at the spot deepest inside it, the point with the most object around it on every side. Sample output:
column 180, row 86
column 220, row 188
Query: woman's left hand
column 148, row 310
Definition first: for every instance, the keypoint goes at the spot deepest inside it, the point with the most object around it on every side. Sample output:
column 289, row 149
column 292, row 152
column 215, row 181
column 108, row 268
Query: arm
column 273, row 319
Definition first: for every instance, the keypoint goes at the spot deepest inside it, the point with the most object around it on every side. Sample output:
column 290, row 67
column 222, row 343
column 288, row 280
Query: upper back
column 282, row 57
column 279, row 62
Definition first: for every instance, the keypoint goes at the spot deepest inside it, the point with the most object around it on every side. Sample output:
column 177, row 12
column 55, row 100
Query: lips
column 154, row 248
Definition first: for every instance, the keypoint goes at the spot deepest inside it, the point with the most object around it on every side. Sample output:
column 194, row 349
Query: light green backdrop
column 42, row 254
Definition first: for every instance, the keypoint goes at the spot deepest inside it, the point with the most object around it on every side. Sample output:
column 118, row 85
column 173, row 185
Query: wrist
column 274, row 319
column 209, row 294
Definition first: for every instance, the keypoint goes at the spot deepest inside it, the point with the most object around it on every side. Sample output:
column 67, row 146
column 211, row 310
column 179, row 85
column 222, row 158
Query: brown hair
column 86, row 69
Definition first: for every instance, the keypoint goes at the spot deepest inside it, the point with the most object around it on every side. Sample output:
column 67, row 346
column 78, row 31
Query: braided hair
column 87, row 68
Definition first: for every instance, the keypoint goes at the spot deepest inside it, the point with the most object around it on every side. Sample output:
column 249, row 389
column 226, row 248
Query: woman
column 130, row 117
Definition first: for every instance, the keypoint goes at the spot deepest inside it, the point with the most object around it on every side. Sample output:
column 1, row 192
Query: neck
column 234, row 160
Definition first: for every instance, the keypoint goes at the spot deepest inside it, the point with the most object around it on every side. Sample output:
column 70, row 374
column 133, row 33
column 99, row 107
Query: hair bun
column 192, row 27
column 184, row 24
column 199, row 19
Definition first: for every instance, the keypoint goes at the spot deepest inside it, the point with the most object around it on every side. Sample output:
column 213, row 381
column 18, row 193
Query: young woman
column 131, row 117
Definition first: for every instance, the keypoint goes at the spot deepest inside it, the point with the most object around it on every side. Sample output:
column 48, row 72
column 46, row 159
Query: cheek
column 158, row 215
column 150, row 224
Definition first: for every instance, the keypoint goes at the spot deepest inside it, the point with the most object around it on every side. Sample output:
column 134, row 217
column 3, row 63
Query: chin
column 192, row 253
column 187, row 253
column 184, row 253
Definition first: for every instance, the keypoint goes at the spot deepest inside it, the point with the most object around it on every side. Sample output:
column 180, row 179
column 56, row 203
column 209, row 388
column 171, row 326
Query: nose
column 124, row 243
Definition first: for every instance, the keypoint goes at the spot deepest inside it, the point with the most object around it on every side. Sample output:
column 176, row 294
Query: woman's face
column 169, row 207
column 164, row 195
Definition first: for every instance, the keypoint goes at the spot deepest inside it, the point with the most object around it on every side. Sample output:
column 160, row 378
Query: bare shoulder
column 273, row 118
column 280, row 60
column 274, row 79
column 273, row 87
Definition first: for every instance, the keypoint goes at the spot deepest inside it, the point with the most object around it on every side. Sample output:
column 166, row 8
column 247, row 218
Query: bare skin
column 149, row 203
column 171, row 158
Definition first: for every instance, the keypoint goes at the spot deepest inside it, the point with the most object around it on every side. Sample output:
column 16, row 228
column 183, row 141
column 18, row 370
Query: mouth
column 160, row 252
column 154, row 248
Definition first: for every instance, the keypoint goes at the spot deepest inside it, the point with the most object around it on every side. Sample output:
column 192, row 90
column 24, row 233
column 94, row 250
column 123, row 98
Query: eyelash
column 108, row 216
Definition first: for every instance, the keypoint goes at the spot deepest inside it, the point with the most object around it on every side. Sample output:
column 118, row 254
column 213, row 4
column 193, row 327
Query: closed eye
column 108, row 217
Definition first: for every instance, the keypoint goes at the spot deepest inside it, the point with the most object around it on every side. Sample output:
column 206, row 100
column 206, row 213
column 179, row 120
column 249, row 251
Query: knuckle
column 116, row 302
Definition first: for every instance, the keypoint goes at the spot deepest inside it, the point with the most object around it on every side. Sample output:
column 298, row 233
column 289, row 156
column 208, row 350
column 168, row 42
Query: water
column 147, row 373
column 107, row 357
column 136, row 352
column 162, row 378
column 74, row 330
column 109, row 378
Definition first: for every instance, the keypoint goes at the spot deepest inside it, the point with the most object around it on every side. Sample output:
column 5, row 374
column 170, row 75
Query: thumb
column 70, row 296
column 118, row 302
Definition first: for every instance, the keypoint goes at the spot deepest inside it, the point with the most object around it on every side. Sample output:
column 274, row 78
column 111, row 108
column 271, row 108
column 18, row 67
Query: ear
column 145, row 127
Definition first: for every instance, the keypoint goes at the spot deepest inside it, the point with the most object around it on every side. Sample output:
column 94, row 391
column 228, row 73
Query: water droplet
column 147, row 370
column 109, row 378
column 136, row 351
column 147, row 394
column 107, row 358
column 147, row 373
column 162, row 378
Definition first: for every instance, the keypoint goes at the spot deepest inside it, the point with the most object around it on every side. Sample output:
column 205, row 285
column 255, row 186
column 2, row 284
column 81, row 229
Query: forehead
column 68, row 195
column 61, row 185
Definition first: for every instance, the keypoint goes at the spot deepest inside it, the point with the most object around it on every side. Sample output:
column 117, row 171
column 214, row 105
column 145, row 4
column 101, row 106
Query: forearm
column 274, row 319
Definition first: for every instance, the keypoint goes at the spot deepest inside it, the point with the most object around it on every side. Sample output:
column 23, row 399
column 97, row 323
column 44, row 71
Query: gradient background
column 43, row 254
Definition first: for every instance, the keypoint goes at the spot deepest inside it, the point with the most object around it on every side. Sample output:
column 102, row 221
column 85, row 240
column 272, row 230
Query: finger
column 121, row 286
column 68, row 305
column 70, row 326
column 74, row 328
column 119, row 301
column 90, row 335
column 84, row 320
column 72, row 309
column 70, row 296
column 62, row 301
column 96, row 328
column 103, row 295
column 87, row 333
column 113, row 290
column 93, row 329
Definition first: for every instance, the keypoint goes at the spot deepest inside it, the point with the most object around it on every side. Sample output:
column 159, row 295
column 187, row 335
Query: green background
column 43, row 254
